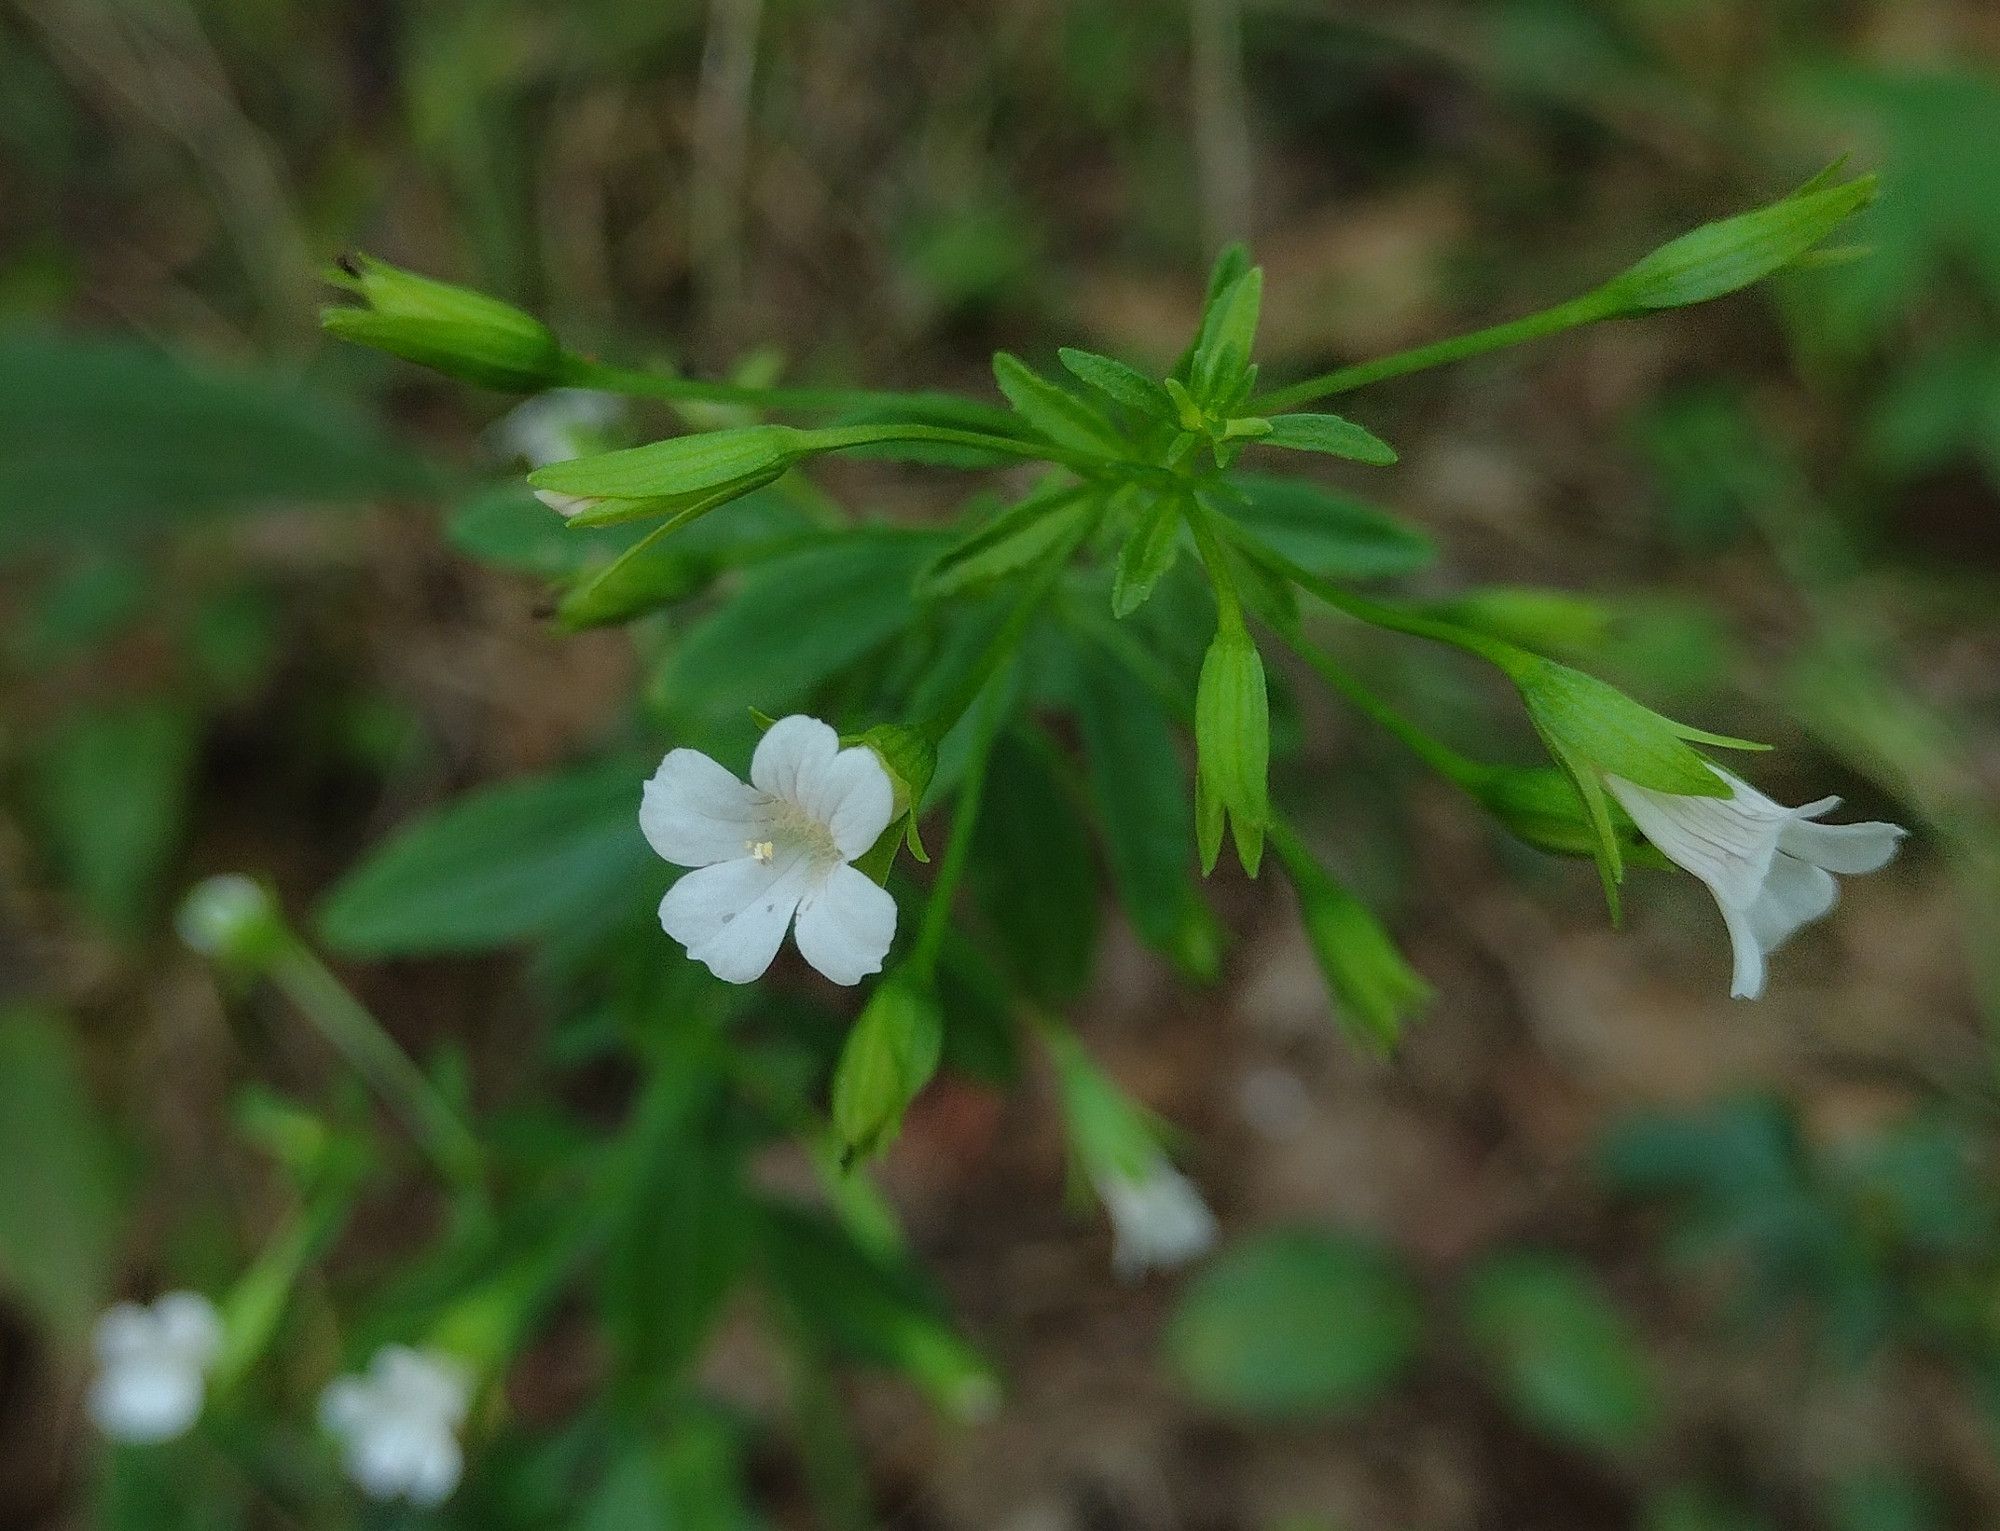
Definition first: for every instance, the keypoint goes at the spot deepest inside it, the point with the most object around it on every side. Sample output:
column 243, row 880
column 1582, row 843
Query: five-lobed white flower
column 152, row 1367
column 398, row 1424
column 1770, row 867
column 779, row 847
column 1158, row 1218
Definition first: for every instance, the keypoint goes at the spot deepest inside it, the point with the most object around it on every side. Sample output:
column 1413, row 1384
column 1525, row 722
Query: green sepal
column 890, row 1054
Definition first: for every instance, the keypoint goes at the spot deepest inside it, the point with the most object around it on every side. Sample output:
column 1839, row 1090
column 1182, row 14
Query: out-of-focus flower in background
column 152, row 1367
column 398, row 1424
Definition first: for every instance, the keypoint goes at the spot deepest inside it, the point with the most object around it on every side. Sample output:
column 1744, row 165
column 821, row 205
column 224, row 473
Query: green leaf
column 501, row 865
column 1295, row 1324
column 59, row 1202
column 1053, row 411
column 890, row 1055
column 111, row 788
column 796, row 621
column 681, row 465
column 1150, row 550
column 861, row 1303
column 1005, row 544
column 1326, row 533
column 681, row 1234
column 1563, row 1354
column 1723, row 257
column 104, row 438
column 506, row 527
column 1119, row 383
column 1228, row 336
column 1329, row 434
column 1027, row 847
column 1139, row 786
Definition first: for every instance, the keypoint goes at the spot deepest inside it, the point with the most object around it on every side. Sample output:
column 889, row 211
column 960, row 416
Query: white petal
column 189, row 1327
column 845, row 925
column 145, row 1401
column 124, row 1329
column 345, row 1405
column 1727, row 842
column 694, row 813
column 383, row 1458
column 1158, row 1219
column 854, row 798
column 1849, row 849
column 1796, row 893
column 567, row 505
column 1747, row 979
column 434, row 1471
column 792, row 755
column 732, row 915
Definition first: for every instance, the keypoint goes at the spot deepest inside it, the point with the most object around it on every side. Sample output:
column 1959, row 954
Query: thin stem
column 833, row 438
column 958, row 850
column 581, row 372
column 359, row 1038
column 945, row 716
column 1228, row 605
column 1588, row 309
column 1432, row 751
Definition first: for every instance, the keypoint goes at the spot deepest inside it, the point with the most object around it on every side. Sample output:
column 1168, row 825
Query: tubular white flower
column 1770, row 867
column 779, row 847
column 398, row 1424
column 1158, row 1219
column 152, row 1367
column 549, row 428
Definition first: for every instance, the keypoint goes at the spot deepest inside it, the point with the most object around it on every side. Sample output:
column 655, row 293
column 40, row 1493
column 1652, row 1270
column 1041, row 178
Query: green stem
column 1588, row 309
column 359, row 1038
column 945, row 716
column 834, row 438
column 1506, row 657
column 1208, row 542
column 958, row 850
column 581, row 372
column 1432, row 751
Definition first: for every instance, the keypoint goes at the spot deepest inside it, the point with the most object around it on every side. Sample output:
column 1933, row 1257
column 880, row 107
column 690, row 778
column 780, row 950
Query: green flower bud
column 890, row 1055
column 232, row 919
column 1539, row 806
column 1232, row 735
column 1723, row 257
column 461, row 333
column 1375, row 990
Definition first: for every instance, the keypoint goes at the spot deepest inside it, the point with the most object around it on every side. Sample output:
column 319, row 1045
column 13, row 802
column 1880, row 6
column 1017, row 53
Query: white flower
column 1770, row 867
column 554, row 427
column 777, row 847
column 398, row 1424
column 1158, row 1219
column 152, row 1366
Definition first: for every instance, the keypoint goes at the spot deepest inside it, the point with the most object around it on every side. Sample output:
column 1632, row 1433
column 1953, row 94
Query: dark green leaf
column 1562, row 1353
column 1325, row 532
column 1294, row 1324
column 105, row 437
column 1028, row 848
column 59, row 1207
column 500, row 865
column 1149, row 552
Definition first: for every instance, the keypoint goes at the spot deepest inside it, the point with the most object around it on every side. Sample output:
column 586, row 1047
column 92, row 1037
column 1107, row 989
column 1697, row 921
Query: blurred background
column 1607, row 1249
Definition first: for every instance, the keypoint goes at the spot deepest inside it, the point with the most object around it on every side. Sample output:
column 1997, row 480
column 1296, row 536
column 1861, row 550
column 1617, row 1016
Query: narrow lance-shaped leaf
column 1118, row 382
column 1330, row 434
column 1054, row 411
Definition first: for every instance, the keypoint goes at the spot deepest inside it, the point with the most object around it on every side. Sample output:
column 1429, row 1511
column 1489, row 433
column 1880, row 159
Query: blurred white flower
column 1770, row 867
column 555, row 427
column 152, row 1366
column 398, row 1424
column 1158, row 1219
column 775, row 848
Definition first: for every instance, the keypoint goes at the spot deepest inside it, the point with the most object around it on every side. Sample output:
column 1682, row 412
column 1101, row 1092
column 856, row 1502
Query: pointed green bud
column 457, row 331
column 890, row 1055
column 1589, row 723
column 1375, row 991
column 1232, row 735
column 1723, row 257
